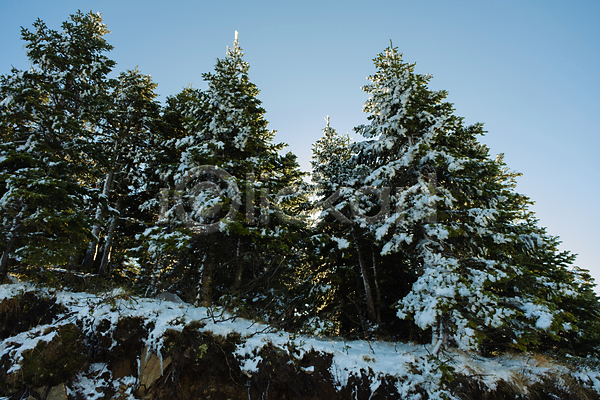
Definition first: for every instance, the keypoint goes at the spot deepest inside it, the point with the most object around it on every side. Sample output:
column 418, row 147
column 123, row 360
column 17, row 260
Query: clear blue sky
column 527, row 69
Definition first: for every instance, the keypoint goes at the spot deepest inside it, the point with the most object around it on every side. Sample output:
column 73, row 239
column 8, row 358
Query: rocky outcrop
column 152, row 367
column 117, row 354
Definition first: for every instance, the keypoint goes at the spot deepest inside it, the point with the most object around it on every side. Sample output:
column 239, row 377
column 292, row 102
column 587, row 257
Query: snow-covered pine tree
column 326, row 305
column 129, row 136
column 340, row 281
column 330, row 162
column 456, row 217
column 49, row 117
column 225, row 147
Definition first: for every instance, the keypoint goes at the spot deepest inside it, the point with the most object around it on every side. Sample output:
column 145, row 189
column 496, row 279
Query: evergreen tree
column 49, row 119
column 322, row 281
column 456, row 218
column 128, row 133
column 331, row 170
column 225, row 230
column 357, row 293
column 341, row 280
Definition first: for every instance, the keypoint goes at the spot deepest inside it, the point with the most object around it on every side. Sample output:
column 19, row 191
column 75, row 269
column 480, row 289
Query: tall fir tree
column 340, row 279
column 322, row 281
column 49, row 119
column 354, row 292
column 228, row 183
column 455, row 216
column 129, row 134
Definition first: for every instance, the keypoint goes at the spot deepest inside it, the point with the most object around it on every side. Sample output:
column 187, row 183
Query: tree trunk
column 438, row 338
column 207, row 280
column 4, row 263
column 250, row 214
column 363, row 270
column 239, row 270
column 376, row 280
column 10, row 243
column 108, row 244
column 92, row 251
column 5, row 256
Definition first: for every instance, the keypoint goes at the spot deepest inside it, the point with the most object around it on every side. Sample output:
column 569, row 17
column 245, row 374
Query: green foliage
column 50, row 115
column 221, row 142
column 485, row 272
column 418, row 233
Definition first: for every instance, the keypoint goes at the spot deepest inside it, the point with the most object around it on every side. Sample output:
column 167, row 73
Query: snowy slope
column 410, row 363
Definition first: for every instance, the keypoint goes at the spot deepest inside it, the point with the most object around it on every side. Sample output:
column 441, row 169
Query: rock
column 150, row 368
column 126, row 389
column 58, row 392
column 166, row 296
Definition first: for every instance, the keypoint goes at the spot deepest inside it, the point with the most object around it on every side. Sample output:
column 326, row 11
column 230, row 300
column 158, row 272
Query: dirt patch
column 25, row 311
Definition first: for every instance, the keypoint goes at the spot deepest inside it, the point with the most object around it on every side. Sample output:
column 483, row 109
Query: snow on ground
column 349, row 357
column 24, row 341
